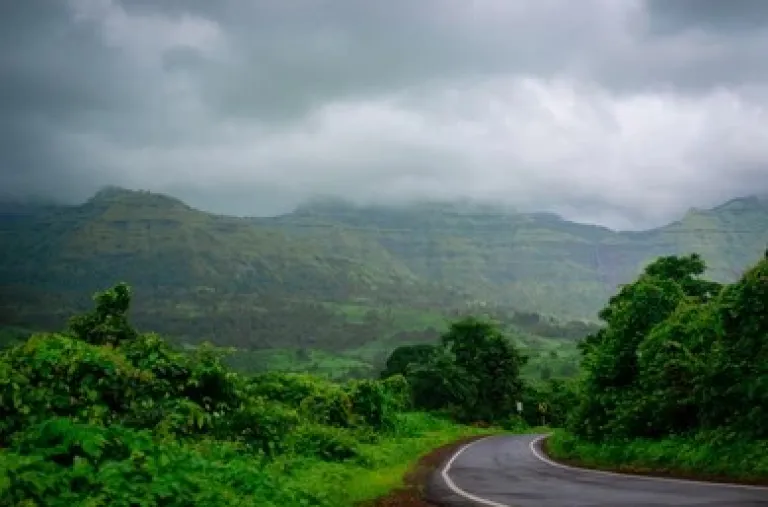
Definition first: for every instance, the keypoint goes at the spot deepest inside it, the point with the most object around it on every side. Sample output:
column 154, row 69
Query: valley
column 333, row 287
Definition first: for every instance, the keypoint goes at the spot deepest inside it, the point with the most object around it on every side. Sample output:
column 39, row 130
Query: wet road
column 512, row 471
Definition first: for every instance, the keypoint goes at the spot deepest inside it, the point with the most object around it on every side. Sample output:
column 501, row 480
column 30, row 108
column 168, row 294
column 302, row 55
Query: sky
column 624, row 113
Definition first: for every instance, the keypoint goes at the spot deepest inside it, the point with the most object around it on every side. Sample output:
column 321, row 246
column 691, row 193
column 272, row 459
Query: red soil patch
column 411, row 495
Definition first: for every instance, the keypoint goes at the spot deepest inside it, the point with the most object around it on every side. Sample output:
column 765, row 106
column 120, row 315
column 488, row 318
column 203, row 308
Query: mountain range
column 429, row 255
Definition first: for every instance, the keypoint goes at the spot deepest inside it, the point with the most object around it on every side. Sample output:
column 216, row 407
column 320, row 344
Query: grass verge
column 701, row 457
column 412, row 493
column 383, row 466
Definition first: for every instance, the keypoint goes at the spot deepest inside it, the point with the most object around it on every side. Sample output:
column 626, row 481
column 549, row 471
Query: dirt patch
column 660, row 472
column 412, row 494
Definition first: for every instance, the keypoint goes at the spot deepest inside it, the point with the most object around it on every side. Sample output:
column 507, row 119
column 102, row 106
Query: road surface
column 512, row 471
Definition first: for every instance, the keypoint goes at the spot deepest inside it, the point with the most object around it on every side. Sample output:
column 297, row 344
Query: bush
column 263, row 425
column 325, row 442
column 332, row 407
column 373, row 404
column 57, row 375
column 105, row 415
column 288, row 388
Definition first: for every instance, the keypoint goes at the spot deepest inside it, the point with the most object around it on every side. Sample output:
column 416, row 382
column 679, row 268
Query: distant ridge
column 332, row 250
column 113, row 194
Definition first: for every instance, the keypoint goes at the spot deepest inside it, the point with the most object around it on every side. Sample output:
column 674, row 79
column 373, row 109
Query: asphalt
column 508, row 471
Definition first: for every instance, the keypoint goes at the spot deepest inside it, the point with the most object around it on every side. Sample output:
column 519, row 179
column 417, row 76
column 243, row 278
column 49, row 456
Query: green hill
column 159, row 242
column 335, row 276
column 537, row 262
column 200, row 276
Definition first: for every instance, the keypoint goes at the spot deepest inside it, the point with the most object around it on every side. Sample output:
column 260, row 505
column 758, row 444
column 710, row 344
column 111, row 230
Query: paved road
column 511, row 471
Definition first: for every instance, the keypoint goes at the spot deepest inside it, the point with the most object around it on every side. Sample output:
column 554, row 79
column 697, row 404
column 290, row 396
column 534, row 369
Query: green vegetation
column 379, row 359
column 695, row 456
column 334, row 288
column 102, row 414
column 677, row 380
column 474, row 372
column 310, row 278
column 533, row 262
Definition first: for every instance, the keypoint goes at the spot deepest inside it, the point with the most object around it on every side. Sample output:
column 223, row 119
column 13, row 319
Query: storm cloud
column 619, row 112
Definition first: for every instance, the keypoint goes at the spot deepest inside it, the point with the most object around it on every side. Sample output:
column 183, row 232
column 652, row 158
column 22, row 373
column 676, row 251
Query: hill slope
column 538, row 262
column 265, row 282
column 157, row 241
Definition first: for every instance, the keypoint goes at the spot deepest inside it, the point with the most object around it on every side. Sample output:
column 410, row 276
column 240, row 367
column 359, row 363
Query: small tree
column 491, row 364
column 474, row 371
column 108, row 322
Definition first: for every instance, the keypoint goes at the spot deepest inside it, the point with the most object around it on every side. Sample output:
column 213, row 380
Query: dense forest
column 678, row 377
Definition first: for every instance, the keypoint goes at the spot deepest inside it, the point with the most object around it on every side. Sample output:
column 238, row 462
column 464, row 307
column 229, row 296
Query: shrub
column 373, row 404
column 325, row 442
column 262, row 425
column 332, row 407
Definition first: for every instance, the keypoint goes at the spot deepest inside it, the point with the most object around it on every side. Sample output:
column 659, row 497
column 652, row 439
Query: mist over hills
column 191, row 265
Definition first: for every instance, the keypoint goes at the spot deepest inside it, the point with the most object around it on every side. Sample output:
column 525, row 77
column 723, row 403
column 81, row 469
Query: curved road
column 512, row 471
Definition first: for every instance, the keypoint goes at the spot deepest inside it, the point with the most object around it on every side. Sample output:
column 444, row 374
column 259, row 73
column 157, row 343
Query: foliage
column 108, row 322
column 696, row 456
column 678, row 377
column 104, row 415
column 403, row 356
column 328, row 443
column 475, row 372
column 621, row 355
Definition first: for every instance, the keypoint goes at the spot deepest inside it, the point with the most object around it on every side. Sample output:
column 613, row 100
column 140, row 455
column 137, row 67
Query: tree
column 675, row 372
column 108, row 322
column 742, row 360
column 404, row 357
column 611, row 392
column 439, row 383
column 493, row 365
column 678, row 355
column 475, row 371
column 686, row 271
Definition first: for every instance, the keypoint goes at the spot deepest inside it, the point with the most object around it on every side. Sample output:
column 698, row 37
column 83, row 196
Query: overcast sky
column 619, row 112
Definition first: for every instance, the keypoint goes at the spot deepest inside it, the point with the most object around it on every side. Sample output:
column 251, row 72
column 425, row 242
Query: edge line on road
column 539, row 454
column 457, row 490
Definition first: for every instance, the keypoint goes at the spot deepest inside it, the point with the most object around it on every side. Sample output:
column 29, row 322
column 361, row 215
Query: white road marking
column 534, row 447
column 535, row 451
column 453, row 487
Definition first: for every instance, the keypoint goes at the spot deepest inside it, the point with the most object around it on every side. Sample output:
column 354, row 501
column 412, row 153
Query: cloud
column 621, row 113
